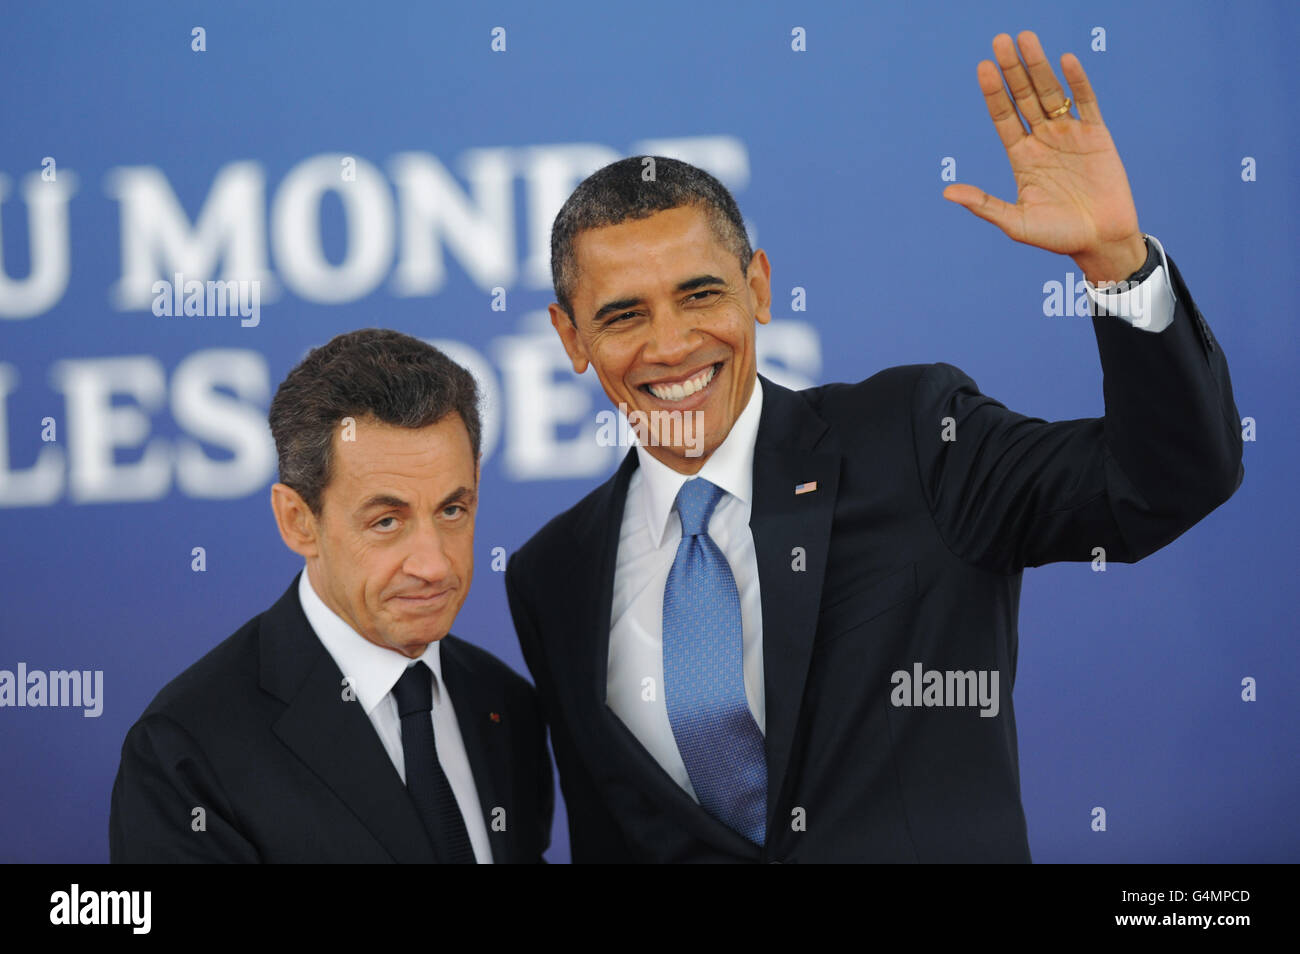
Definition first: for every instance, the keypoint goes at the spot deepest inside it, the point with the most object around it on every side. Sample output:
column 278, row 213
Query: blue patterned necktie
column 704, row 677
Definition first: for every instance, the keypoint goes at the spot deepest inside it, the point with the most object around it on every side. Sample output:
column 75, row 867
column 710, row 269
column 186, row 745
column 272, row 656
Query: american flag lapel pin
column 494, row 716
column 805, row 488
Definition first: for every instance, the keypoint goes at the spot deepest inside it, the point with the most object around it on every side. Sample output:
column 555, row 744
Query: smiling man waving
column 769, row 649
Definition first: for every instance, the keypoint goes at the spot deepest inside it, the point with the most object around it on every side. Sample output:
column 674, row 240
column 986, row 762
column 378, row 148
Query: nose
column 427, row 559
column 671, row 338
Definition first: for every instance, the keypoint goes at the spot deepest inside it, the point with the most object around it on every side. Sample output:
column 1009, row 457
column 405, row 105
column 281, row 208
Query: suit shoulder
column 486, row 662
column 220, row 679
column 558, row 532
column 884, row 383
column 853, row 406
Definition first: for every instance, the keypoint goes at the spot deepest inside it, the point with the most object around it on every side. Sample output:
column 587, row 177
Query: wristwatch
column 1142, row 274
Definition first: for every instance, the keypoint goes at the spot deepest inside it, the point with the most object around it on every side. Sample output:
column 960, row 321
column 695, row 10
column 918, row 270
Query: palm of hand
column 1071, row 189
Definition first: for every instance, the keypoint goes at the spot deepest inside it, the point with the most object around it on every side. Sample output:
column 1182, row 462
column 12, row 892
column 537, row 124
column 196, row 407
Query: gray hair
column 376, row 373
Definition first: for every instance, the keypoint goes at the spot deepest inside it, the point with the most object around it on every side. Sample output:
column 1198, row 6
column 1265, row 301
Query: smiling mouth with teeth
column 680, row 392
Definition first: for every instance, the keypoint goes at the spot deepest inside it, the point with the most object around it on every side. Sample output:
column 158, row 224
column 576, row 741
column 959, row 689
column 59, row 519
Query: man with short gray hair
column 346, row 724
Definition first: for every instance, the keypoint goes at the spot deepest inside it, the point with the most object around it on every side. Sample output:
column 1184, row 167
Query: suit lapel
column 790, row 453
column 596, row 531
column 477, row 700
column 332, row 735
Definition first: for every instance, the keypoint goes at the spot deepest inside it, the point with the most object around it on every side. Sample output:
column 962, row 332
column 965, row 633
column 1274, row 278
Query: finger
column 1005, row 118
column 1084, row 97
column 1002, row 214
column 1004, row 51
column 1041, row 74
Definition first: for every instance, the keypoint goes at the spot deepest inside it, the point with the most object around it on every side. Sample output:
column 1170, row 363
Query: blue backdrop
column 399, row 165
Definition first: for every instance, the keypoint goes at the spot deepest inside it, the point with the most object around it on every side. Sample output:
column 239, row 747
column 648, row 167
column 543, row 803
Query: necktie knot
column 695, row 503
column 414, row 691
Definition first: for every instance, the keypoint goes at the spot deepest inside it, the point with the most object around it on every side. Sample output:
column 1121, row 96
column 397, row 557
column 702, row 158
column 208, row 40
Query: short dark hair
column 618, row 192
column 376, row 373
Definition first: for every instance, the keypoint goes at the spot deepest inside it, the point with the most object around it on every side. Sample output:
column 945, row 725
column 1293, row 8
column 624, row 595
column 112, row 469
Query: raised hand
column 1073, row 196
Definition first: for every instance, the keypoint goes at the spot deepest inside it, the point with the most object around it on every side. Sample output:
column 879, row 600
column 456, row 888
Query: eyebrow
column 460, row 494
column 383, row 500
column 691, row 284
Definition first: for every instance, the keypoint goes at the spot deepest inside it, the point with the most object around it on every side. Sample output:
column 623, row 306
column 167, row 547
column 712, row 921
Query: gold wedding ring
column 1060, row 110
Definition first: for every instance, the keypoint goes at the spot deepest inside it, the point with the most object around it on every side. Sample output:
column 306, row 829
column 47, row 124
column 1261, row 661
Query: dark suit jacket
column 913, row 550
column 257, row 734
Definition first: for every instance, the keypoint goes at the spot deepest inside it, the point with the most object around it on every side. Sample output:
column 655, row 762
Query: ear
column 568, row 333
column 297, row 524
column 760, row 286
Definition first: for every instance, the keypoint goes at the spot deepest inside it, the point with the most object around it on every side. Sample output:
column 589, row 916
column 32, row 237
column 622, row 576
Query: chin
column 425, row 638
column 406, row 642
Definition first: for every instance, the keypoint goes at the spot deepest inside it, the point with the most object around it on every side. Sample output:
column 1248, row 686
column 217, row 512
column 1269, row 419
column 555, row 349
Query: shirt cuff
column 1148, row 305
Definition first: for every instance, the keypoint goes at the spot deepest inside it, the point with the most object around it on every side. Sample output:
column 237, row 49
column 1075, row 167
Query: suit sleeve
column 545, row 780
column 1008, row 491
column 594, row 835
column 163, row 778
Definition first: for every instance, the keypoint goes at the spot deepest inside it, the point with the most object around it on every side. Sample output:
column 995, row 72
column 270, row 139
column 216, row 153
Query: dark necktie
column 425, row 779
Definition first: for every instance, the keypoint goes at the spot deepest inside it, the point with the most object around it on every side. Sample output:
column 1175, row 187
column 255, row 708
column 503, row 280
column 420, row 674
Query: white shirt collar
column 372, row 669
column 730, row 467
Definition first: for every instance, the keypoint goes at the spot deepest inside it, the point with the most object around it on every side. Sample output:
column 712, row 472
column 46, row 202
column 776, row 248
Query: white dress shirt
column 1149, row 306
column 373, row 671
column 651, row 531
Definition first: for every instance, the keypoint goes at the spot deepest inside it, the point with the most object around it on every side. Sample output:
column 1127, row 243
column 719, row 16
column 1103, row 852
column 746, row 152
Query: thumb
column 1002, row 214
